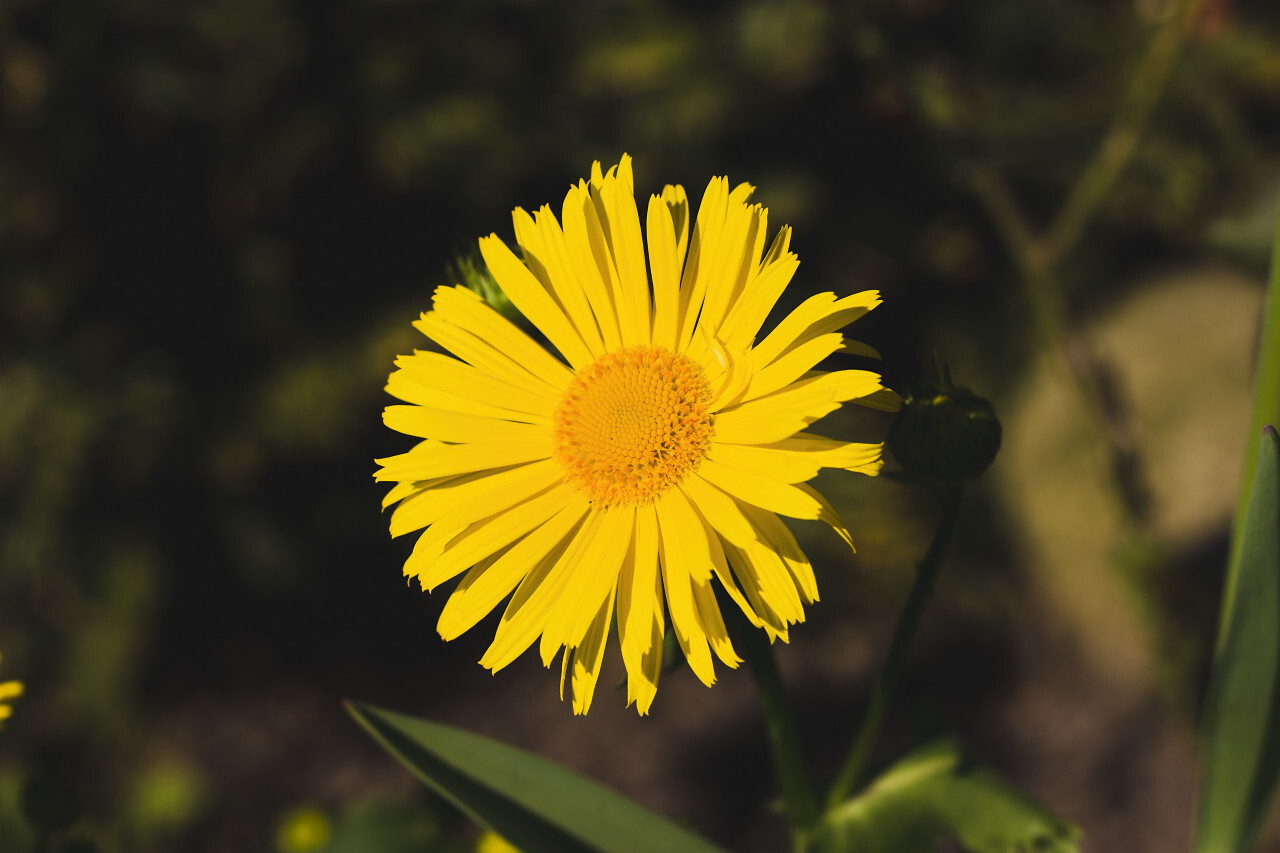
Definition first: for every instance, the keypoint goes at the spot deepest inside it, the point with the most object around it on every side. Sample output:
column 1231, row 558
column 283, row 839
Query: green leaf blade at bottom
column 535, row 804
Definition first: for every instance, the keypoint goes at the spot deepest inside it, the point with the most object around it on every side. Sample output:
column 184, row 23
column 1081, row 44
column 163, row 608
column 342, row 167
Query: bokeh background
column 218, row 219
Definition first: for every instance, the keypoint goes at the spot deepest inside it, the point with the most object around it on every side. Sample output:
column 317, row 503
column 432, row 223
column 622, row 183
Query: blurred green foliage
column 218, row 218
column 931, row 795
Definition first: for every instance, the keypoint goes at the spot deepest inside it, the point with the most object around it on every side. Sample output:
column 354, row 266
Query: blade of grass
column 1266, row 410
column 1242, row 714
column 535, row 804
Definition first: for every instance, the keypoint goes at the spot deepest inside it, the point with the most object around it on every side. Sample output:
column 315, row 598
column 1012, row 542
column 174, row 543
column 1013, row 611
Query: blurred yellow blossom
column 9, row 690
column 303, row 830
column 492, row 842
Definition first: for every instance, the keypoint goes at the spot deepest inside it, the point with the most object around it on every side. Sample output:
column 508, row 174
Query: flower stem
column 903, row 634
column 798, row 799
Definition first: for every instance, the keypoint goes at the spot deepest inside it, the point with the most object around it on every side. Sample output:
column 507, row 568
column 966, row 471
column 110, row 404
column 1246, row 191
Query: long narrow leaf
column 1242, row 717
column 535, row 804
column 1266, row 410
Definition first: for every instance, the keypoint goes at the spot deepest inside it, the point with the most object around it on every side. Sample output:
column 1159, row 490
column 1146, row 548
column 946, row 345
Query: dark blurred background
column 218, row 219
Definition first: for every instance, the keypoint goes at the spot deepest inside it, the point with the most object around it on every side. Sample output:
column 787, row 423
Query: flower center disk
column 633, row 424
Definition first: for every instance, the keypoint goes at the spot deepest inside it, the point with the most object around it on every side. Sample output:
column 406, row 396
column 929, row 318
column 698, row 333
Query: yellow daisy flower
column 656, row 455
column 9, row 690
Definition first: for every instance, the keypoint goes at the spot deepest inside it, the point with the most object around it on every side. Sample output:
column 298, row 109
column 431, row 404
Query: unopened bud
column 944, row 432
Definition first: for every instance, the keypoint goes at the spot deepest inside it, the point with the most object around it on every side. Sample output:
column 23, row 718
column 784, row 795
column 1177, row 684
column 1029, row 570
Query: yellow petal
column 717, row 508
column 728, row 372
column 702, row 243
column 494, row 486
column 709, row 613
column 731, row 263
column 678, row 206
column 859, row 348
column 476, row 596
column 437, row 380
column 723, row 573
column 827, row 513
column 619, row 196
column 774, row 580
column 436, row 558
column 775, row 417
column 677, row 520
column 748, row 315
column 583, row 243
column 762, row 491
column 640, row 622
column 487, row 356
column 589, row 654
column 600, row 240
column 554, row 255
column 431, row 458
column 791, row 365
column 666, row 272
column 426, row 422
column 533, row 301
column 830, row 453
column 818, row 315
column 785, row 412
column 775, row 534
column 766, row 462
column 768, row 586
column 400, row 491
column 883, row 399
column 467, row 310
column 531, row 605
column 590, row 581
column 678, row 571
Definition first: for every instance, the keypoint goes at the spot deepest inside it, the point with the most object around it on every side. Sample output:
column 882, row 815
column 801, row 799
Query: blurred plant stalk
column 852, row 771
column 1038, row 255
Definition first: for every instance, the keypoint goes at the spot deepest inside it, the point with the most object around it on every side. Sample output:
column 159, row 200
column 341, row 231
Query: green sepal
column 535, row 804
column 1241, row 722
column 929, row 796
column 469, row 270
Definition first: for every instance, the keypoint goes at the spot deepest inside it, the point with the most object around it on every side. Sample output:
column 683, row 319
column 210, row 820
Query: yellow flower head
column 654, row 454
column 9, row 690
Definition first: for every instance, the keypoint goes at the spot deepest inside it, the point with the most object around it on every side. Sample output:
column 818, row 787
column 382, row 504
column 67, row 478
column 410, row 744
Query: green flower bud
column 944, row 432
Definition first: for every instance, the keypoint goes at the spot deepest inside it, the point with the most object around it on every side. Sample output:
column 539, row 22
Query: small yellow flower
column 9, row 690
column 303, row 830
column 492, row 842
column 657, row 455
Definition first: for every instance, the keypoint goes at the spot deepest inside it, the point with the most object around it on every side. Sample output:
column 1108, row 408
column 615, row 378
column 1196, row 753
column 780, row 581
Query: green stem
column 798, row 799
column 903, row 634
column 1118, row 146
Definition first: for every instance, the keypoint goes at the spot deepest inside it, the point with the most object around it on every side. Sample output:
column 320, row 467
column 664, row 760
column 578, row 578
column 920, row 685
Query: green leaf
column 535, row 804
column 929, row 796
column 1266, row 410
column 1241, row 726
